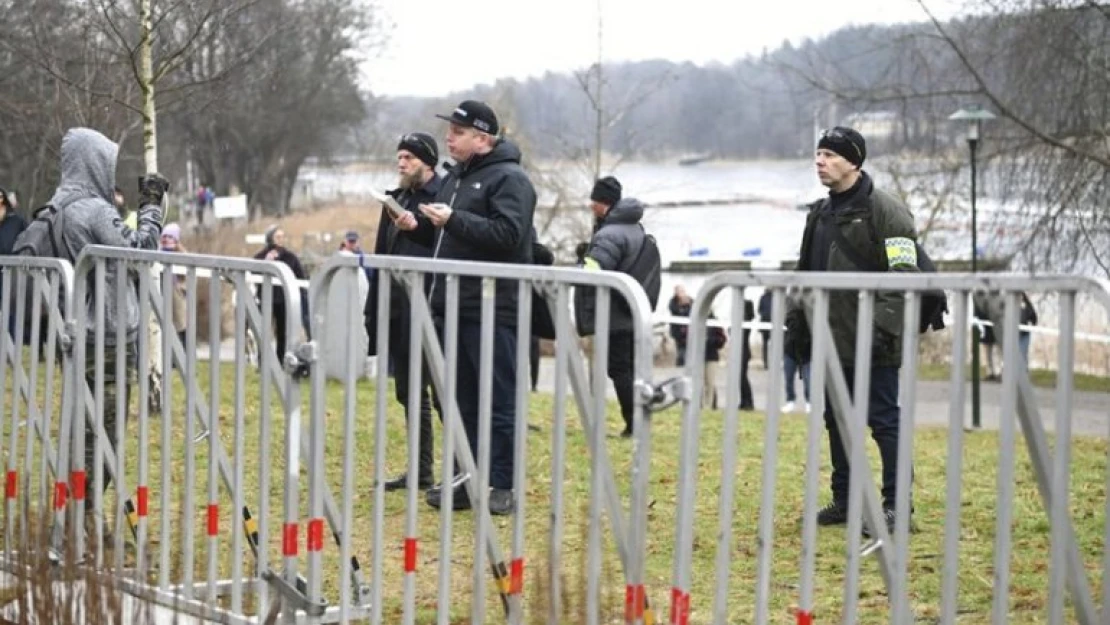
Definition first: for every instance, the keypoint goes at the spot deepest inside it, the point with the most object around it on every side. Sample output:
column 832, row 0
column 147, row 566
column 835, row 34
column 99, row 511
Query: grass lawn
column 1029, row 562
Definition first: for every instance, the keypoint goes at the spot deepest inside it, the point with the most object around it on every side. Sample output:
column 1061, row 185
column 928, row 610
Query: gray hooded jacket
column 84, row 197
column 618, row 236
column 617, row 241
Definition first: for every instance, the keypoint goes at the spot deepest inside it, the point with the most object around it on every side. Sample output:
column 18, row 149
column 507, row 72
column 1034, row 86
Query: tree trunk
column 146, row 83
column 599, row 110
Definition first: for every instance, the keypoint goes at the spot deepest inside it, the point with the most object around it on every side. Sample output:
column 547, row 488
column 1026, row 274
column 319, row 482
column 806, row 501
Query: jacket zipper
column 439, row 240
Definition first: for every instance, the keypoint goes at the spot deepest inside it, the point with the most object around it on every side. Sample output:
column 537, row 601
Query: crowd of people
column 481, row 208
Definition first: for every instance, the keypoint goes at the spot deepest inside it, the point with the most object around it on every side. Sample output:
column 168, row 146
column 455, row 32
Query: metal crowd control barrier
column 441, row 366
column 35, row 293
column 1068, row 567
column 101, row 350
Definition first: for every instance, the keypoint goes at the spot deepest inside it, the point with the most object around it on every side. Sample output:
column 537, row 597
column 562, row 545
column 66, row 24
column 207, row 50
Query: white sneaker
column 807, row 408
column 788, row 407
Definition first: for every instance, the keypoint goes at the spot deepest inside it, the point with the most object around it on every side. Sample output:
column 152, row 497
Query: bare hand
column 406, row 222
column 438, row 214
column 272, row 255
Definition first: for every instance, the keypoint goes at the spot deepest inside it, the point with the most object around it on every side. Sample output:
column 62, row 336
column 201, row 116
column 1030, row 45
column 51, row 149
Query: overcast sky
column 437, row 46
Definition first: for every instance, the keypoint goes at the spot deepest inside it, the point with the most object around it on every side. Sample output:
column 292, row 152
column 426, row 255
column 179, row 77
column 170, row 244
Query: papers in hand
column 395, row 209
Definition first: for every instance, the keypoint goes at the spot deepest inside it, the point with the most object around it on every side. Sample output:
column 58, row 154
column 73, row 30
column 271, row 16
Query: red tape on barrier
column 410, row 555
column 289, row 539
column 680, row 607
column 59, row 495
column 144, row 496
column 78, row 479
column 805, row 617
column 516, row 576
column 213, row 519
column 9, row 485
column 316, row 535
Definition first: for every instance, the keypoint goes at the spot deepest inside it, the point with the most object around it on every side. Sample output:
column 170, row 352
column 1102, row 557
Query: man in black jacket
column 417, row 157
column 483, row 212
column 616, row 244
column 872, row 231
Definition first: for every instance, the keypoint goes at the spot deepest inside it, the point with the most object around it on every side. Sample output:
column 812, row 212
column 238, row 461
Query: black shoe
column 747, row 407
column 833, row 514
column 500, row 501
column 402, row 481
column 626, row 433
column 460, row 498
column 888, row 518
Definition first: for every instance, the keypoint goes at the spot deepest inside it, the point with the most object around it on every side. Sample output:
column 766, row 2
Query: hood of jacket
column 88, row 168
column 504, row 151
column 626, row 211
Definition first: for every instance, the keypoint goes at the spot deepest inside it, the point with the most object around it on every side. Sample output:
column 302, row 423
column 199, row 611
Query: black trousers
column 534, row 360
column 279, row 312
column 111, row 415
column 503, row 399
column 399, row 355
column 621, row 354
column 883, row 417
column 747, row 400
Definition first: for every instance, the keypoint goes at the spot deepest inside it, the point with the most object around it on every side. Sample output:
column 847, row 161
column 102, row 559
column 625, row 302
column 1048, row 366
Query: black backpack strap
column 640, row 253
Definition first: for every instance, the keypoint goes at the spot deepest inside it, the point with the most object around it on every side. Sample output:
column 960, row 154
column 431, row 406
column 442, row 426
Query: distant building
column 874, row 125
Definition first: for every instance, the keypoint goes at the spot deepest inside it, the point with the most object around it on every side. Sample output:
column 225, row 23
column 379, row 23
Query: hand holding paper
column 438, row 214
column 406, row 221
column 395, row 210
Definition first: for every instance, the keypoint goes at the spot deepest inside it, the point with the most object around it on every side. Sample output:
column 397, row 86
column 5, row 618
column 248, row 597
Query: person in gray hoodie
column 617, row 240
column 84, row 200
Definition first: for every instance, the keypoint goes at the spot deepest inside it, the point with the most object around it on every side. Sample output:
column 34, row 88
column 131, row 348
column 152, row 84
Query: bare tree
column 249, row 88
column 1041, row 66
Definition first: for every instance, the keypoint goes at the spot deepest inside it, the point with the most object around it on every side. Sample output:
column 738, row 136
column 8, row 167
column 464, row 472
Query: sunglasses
column 418, row 140
column 837, row 134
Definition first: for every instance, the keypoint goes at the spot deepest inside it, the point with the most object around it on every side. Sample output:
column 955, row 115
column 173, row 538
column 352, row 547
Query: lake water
column 763, row 224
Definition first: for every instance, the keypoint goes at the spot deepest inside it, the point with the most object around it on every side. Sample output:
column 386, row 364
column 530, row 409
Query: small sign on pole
column 231, row 207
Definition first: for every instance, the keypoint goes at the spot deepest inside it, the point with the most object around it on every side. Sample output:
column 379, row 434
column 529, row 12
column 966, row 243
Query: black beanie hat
column 606, row 191
column 846, row 142
column 422, row 145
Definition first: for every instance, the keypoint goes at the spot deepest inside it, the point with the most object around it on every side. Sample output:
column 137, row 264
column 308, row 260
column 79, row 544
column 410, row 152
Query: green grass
column 1029, row 562
column 1043, row 378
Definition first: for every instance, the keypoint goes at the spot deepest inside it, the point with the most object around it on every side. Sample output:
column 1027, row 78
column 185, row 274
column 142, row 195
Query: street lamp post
column 974, row 117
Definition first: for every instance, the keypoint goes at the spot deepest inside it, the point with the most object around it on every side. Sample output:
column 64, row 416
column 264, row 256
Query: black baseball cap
column 474, row 114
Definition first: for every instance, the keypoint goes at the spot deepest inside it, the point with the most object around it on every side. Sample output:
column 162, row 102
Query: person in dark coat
column 615, row 246
column 417, row 157
column 275, row 250
column 765, row 317
column 747, row 401
column 715, row 340
column 482, row 213
column 541, row 255
column 680, row 307
column 858, row 227
column 11, row 225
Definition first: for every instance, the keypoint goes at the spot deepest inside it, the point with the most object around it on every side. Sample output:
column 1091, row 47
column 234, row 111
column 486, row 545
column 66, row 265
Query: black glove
column 152, row 189
column 580, row 252
column 797, row 341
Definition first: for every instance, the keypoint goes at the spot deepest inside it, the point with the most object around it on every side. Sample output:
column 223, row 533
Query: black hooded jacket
column 492, row 205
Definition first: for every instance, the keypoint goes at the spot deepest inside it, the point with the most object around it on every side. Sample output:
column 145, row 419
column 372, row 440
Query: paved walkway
column 1090, row 411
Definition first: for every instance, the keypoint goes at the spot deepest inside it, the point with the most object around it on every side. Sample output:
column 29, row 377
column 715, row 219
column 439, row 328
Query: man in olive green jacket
column 878, row 231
